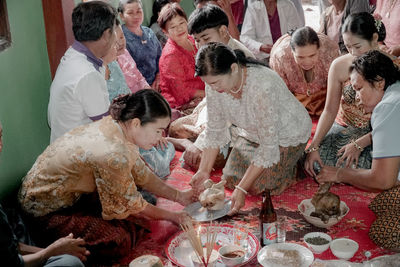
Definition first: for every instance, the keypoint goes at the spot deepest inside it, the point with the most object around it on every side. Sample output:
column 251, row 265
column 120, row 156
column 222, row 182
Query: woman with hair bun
column 86, row 181
column 272, row 127
column 343, row 135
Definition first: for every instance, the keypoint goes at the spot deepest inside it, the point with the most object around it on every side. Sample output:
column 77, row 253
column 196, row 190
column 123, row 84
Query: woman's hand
column 156, row 84
column 266, row 48
column 67, row 245
column 350, row 154
column 185, row 197
column 238, row 201
column 328, row 174
column 197, row 182
column 180, row 217
column 192, row 156
column 309, row 163
column 163, row 143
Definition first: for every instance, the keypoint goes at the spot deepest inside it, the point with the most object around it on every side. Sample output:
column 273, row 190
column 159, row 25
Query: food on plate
column 234, row 254
column 284, row 257
column 213, row 198
column 326, row 204
column 317, row 240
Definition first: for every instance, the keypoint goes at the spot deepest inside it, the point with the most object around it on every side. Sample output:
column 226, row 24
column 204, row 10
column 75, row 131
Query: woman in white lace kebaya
column 272, row 125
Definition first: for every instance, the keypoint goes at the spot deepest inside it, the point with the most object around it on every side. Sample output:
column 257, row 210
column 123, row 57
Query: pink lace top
column 134, row 79
column 177, row 81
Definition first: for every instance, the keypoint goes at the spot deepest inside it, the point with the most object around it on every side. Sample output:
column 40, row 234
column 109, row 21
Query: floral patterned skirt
column 276, row 178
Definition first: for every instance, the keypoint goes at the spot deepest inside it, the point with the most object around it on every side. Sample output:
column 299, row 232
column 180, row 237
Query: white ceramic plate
column 307, row 256
column 200, row 214
column 178, row 248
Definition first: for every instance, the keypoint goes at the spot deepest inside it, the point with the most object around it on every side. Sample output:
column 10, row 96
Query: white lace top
column 268, row 112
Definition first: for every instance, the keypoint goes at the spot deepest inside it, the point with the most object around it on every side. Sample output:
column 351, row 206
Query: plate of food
column 285, row 255
column 179, row 249
column 212, row 204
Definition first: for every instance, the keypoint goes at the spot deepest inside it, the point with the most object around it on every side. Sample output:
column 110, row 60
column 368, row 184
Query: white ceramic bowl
column 211, row 263
column 306, row 208
column 230, row 261
column 344, row 248
column 318, row 249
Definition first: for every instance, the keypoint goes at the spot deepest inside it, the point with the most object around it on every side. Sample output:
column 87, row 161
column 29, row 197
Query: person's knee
column 65, row 260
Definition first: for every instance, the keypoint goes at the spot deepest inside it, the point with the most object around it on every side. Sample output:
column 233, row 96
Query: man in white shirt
column 78, row 94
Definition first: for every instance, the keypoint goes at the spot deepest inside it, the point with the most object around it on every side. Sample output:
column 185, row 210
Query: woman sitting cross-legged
column 377, row 83
column 178, row 83
column 86, row 181
column 302, row 59
column 343, row 135
column 272, row 126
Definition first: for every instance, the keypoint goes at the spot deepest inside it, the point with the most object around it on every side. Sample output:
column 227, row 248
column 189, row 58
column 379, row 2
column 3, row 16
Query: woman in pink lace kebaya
column 178, row 83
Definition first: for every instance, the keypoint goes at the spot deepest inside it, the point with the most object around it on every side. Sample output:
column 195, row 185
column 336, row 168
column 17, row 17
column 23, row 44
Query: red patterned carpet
column 354, row 225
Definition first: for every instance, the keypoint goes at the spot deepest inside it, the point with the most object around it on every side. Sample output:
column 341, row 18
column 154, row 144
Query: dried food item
column 317, row 240
column 213, row 198
column 326, row 204
column 284, row 257
column 234, row 254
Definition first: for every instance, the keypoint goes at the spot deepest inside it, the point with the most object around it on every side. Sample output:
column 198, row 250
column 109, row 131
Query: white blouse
column 268, row 112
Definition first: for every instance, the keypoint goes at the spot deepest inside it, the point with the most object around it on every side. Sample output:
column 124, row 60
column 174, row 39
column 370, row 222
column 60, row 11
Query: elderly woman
column 343, row 135
column 141, row 41
column 272, row 126
column 376, row 79
column 265, row 21
column 303, row 60
column 85, row 182
column 178, row 83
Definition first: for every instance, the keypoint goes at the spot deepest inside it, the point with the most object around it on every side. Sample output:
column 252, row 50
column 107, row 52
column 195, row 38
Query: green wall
column 24, row 90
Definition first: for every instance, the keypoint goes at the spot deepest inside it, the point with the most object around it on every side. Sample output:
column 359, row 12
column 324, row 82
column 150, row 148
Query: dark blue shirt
column 145, row 50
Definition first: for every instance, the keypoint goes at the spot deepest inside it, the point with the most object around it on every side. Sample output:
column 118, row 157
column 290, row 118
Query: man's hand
column 67, row 245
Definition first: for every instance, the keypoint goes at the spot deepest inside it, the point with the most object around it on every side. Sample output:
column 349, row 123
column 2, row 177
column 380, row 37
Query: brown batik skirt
column 277, row 178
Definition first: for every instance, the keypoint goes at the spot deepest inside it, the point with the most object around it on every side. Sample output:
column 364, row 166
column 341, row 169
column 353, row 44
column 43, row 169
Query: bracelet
column 241, row 189
column 357, row 145
column 311, row 149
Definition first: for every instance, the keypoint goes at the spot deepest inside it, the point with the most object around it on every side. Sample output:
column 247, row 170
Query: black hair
column 122, row 3
column 157, row 5
column 375, row 66
column 364, row 25
column 91, row 19
column 207, row 17
column 217, row 58
column 304, row 36
column 146, row 105
column 196, row 2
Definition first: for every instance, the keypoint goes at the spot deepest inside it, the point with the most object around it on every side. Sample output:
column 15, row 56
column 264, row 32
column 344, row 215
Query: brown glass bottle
column 268, row 220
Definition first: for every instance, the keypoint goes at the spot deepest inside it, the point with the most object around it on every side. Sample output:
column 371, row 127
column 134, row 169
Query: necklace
column 241, row 84
column 391, row 6
column 308, row 92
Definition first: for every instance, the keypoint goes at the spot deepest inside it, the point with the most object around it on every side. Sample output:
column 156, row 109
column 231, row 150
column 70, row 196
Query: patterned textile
column 339, row 136
column 107, row 240
column 277, row 178
column 145, row 50
column 354, row 225
column 271, row 116
column 312, row 95
column 177, row 81
column 116, row 83
column 385, row 231
column 350, row 111
column 133, row 77
column 91, row 158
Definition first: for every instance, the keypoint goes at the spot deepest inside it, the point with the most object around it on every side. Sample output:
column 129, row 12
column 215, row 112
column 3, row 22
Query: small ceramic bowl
column 211, row 263
column 317, row 249
column 232, row 255
column 306, row 208
column 344, row 248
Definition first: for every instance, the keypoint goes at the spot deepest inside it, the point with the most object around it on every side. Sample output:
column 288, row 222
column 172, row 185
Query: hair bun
column 118, row 105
